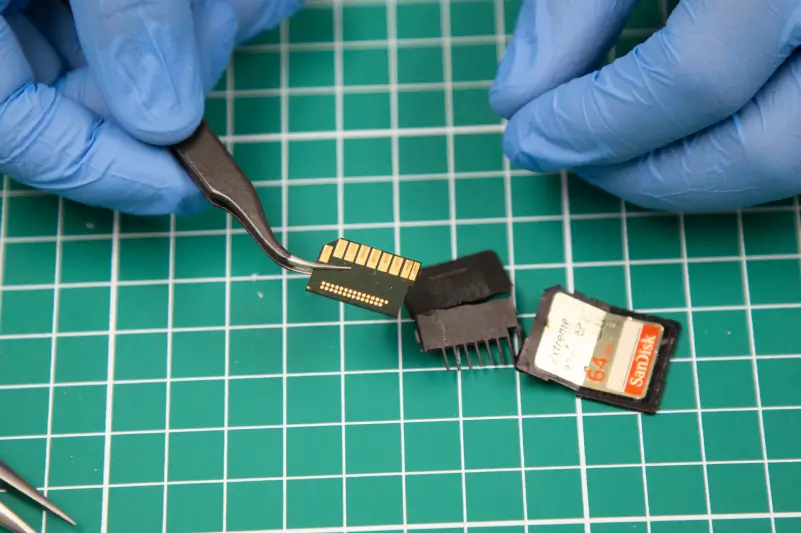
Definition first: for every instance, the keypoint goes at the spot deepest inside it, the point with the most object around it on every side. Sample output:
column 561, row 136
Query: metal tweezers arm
column 211, row 166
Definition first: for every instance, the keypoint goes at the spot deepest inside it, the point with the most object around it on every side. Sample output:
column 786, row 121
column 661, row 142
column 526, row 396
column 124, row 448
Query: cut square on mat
column 606, row 283
column 140, row 356
column 255, row 352
column 79, row 409
column 314, row 25
column 732, row 436
column 554, row 494
column 313, row 400
column 714, row 235
column 483, row 439
column 606, row 484
column 196, row 456
column 312, row 112
column 255, row 453
column 725, row 488
column 200, row 256
column 372, row 397
column 470, row 19
column 374, row 501
column 312, row 159
column 314, row 451
column 434, row 498
column 432, row 446
column 144, row 259
column 78, row 359
column 199, row 404
column 85, row 261
column 763, row 288
column 368, row 158
column 490, row 393
column 418, row 20
column 783, row 433
column 550, row 441
column 430, row 395
column 76, row 460
column 27, row 311
column 721, row 333
column 257, row 115
column 611, row 440
column 256, row 70
column 313, row 349
column 254, row 505
column 536, row 195
column 726, row 384
column 37, row 354
column 312, row 205
column 421, row 108
column 785, row 492
column 366, row 111
column 654, row 237
column 368, row 203
column 595, row 240
column 779, row 373
column 328, row 502
column 480, row 198
column 364, row 22
column 419, row 64
column 184, row 515
column 267, row 393
column 370, row 347
column 198, row 305
column 494, row 496
column 363, row 439
column 365, row 66
column 424, row 200
column 197, row 354
column 311, row 68
column 29, row 263
column 132, row 508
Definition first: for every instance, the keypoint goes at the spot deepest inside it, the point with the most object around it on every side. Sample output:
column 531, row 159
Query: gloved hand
column 87, row 103
column 705, row 115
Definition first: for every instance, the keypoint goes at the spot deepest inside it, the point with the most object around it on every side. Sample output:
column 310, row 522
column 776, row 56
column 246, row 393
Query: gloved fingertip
column 554, row 41
column 79, row 85
column 256, row 17
column 216, row 27
column 163, row 121
column 523, row 147
column 192, row 204
column 144, row 57
column 506, row 96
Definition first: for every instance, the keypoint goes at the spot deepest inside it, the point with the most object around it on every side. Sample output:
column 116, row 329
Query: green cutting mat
column 161, row 375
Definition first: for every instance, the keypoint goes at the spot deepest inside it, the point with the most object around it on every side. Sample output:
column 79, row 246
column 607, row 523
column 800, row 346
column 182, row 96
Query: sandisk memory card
column 604, row 353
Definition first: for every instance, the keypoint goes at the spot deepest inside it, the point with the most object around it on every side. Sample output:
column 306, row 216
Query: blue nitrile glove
column 705, row 115
column 86, row 104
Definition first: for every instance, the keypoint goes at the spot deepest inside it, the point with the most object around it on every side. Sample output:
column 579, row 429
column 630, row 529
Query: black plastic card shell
column 664, row 351
column 459, row 306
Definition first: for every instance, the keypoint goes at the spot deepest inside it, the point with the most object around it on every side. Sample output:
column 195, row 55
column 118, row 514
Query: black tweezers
column 219, row 178
column 211, row 166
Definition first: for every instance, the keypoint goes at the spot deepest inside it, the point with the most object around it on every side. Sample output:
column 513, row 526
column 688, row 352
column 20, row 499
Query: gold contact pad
column 325, row 254
column 339, row 251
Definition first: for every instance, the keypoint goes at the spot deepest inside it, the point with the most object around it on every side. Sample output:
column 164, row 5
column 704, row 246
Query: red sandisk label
column 643, row 360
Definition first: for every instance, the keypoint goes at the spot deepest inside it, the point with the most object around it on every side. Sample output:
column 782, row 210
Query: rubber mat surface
column 161, row 375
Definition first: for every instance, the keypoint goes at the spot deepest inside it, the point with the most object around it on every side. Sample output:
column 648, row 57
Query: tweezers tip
column 13, row 480
column 307, row 267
